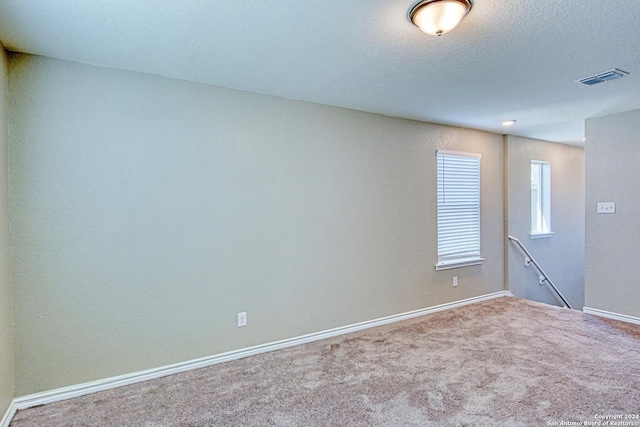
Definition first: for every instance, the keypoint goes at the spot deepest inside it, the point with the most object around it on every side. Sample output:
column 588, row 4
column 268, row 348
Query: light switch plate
column 606, row 207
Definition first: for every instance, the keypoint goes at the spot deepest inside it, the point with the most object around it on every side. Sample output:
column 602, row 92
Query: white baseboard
column 70, row 392
column 610, row 315
column 8, row 416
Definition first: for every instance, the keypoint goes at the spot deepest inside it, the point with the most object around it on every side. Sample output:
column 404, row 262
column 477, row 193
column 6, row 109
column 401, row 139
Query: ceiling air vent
column 603, row 77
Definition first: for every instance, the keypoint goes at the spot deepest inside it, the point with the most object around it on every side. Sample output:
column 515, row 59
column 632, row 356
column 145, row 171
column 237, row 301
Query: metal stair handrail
column 528, row 260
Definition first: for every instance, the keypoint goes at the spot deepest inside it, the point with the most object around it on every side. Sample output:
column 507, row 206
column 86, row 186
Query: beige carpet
column 504, row 362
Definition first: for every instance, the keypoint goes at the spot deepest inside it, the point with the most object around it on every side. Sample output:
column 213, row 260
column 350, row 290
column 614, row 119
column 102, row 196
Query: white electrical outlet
column 455, row 281
column 606, row 207
column 242, row 319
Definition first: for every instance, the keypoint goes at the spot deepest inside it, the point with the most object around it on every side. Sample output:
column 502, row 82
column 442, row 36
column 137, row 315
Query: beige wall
column 148, row 211
column 6, row 347
column 562, row 255
column 612, row 251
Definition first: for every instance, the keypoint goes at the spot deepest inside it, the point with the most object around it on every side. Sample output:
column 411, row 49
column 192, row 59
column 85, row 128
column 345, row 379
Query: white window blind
column 458, row 209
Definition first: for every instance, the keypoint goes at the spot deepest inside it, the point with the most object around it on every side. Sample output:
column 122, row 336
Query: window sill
column 457, row 263
column 541, row 235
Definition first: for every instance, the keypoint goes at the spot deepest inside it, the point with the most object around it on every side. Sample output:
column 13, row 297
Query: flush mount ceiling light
column 509, row 122
column 437, row 17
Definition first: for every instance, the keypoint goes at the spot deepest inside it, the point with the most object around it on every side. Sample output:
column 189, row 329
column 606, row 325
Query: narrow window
column 540, row 199
column 458, row 209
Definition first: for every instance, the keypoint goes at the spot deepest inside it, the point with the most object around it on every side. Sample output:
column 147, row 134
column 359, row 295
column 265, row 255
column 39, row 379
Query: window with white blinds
column 458, row 209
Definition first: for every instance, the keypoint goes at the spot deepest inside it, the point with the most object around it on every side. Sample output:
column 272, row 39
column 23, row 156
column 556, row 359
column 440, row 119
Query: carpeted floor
column 504, row 362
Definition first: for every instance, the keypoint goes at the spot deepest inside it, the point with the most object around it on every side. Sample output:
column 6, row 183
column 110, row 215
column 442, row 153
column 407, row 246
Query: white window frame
column 540, row 212
column 458, row 194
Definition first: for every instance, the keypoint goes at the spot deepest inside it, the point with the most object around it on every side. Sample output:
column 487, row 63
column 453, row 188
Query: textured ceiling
column 512, row 59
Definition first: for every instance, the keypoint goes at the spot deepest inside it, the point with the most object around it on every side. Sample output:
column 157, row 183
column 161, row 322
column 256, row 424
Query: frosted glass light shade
column 437, row 17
